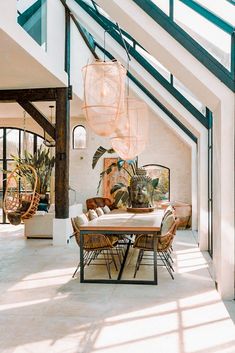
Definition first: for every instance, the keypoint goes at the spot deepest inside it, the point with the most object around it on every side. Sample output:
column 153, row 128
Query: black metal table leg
column 81, row 258
column 124, row 260
column 155, row 242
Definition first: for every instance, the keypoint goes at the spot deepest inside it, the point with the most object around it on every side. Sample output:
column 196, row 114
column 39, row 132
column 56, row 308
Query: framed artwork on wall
column 113, row 178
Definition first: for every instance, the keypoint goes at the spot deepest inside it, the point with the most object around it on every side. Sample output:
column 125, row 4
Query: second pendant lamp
column 131, row 135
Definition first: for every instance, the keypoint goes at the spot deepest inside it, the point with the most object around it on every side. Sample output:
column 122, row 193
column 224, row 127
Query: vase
column 141, row 190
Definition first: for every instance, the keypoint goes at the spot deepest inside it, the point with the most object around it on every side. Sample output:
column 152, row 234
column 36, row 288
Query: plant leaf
column 99, row 153
column 155, row 182
column 121, row 195
column 116, row 187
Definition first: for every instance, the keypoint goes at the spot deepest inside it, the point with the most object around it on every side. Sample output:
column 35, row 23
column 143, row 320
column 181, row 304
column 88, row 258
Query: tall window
column 79, row 137
column 163, row 174
column 13, row 141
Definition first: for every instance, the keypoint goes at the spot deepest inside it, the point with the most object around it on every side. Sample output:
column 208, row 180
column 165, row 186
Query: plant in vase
column 139, row 193
column 43, row 164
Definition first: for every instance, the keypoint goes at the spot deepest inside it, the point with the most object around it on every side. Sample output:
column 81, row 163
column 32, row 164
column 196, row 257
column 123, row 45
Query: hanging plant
column 43, row 164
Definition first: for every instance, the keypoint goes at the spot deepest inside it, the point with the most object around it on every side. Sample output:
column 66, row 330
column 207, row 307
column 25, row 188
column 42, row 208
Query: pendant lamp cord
column 128, row 56
column 24, row 133
column 107, row 30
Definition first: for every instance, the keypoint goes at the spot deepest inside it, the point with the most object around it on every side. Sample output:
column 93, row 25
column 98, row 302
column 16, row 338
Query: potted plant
column 43, row 164
column 141, row 189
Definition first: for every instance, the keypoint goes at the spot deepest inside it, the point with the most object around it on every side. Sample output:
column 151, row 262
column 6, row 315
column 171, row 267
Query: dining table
column 121, row 222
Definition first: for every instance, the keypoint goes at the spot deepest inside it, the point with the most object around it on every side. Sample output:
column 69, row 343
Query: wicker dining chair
column 145, row 243
column 94, row 245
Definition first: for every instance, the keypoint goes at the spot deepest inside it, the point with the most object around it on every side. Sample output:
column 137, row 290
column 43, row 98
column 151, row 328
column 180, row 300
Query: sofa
column 41, row 224
column 95, row 202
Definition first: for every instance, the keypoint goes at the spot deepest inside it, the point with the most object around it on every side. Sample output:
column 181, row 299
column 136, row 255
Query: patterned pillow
column 99, row 211
column 167, row 224
column 106, row 209
column 92, row 215
column 80, row 220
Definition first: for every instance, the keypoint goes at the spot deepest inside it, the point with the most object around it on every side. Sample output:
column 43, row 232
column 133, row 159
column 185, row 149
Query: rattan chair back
column 20, row 195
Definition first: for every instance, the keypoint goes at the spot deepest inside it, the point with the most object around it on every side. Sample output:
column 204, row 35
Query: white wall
column 80, row 55
column 164, row 148
column 55, row 47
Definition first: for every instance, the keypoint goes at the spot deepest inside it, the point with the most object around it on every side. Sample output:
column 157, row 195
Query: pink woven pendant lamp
column 104, row 88
column 131, row 136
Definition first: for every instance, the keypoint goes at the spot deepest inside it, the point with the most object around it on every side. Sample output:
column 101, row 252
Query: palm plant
column 43, row 164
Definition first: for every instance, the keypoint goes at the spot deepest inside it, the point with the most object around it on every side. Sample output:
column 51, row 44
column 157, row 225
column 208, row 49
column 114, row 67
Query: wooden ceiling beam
column 38, row 117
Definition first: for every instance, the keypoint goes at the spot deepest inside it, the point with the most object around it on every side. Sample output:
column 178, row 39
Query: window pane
column 40, row 142
column 156, row 64
column 32, row 17
column 12, row 145
column 221, row 8
column 27, row 139
column 163, row 5
column 79, row 137
column 212, row 38
column 189, row 95
column 1, row 192
column 163, row 174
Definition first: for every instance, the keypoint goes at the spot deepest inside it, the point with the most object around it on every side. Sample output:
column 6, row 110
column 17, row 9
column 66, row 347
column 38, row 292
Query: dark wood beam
column 32, row 94
column 38, row 117
column 62, row 155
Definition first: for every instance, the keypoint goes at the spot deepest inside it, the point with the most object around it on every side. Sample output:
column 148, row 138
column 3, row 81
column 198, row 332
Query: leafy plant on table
column 120, row 191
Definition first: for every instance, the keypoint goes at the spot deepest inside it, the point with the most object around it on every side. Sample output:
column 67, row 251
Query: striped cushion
column 167, row 223
column 92, row 215
column 99, row 211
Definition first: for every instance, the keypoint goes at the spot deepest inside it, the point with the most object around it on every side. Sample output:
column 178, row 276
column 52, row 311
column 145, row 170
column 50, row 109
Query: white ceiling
column 18, row 69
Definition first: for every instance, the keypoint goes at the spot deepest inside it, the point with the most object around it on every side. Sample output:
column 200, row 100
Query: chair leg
column 167, row 260
column 119, row 254
column 166, row 264
column 76, row 270
column 106, row 258
column 86, row 255
column 138, row 261
column 114, row 261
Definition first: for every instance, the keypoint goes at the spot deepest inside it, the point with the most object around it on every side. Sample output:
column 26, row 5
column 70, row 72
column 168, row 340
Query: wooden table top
column 121, row 220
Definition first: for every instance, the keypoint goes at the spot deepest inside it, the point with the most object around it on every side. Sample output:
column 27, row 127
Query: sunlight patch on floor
column 43, row 279
column 190, row 260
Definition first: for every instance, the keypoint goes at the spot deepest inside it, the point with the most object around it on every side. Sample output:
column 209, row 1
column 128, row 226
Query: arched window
column 163, row 173
column 13, row 141
column 79, row 137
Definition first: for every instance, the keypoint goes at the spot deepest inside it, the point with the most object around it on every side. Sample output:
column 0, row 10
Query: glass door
column 210, row 184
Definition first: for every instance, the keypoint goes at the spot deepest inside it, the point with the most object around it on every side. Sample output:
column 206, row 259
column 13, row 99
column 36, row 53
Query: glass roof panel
column 188, row 95
column 163, row 5
column 23, row 5
column 208, row 35
column 156, row 64
column 221, row 8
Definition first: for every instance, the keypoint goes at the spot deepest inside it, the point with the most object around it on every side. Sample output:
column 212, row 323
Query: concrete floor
column 42, row 309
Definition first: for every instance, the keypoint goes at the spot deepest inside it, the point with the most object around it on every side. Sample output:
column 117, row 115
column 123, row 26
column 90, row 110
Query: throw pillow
column 80, row 220
column 99, row 211
column 92, row 215
column 106, row 209
column 43, row 207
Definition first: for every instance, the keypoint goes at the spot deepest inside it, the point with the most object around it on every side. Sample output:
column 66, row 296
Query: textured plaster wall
column 164, row 147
